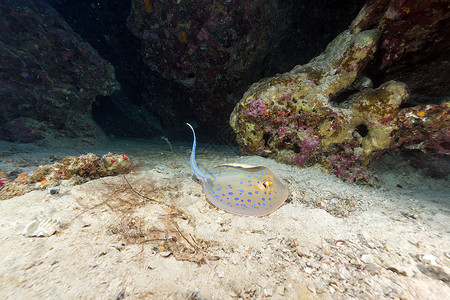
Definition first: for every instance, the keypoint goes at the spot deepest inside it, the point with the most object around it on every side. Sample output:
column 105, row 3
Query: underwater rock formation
column 208, row 46
column 216, row 49
column 325, row 112
column 413, row 46
column 49, row 77
column 146, row 101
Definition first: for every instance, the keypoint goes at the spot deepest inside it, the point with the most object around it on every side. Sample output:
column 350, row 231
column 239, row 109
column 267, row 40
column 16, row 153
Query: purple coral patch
column 257, row 107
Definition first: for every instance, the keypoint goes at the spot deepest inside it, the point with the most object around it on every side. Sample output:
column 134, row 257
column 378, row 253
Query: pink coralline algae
column 3, row 181
column 258, row 107
column 309, row 145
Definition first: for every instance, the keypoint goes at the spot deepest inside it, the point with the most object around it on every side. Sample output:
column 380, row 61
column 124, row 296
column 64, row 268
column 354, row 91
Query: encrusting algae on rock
column 77, row 169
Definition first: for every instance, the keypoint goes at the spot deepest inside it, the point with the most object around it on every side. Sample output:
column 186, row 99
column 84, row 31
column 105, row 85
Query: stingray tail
column 194, row 166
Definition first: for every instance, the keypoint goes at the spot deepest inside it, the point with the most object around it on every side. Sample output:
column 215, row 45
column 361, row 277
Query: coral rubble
column 77, row 169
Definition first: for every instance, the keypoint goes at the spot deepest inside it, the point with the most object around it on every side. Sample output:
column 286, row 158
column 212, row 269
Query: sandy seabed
column 153, row 235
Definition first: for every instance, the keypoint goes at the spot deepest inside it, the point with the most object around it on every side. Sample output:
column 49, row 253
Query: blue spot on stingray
column 241, row 191
column 249, row 193
column 249, row 200
column 242, row 200
column 230, row 193
column 263, row 199
column 259, row 203
column 241, row 182
column 270, row 198
column 250, row 181
column 256, row 192
column 236, row 198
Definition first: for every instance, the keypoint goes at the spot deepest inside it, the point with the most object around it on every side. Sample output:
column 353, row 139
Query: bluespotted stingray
column 239, row 189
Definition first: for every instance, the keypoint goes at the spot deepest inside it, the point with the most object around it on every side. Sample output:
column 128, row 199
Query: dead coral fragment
column 116, row 162
column 78, row 169
column 41, row 228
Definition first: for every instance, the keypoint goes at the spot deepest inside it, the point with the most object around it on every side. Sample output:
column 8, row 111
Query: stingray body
column 242, row 190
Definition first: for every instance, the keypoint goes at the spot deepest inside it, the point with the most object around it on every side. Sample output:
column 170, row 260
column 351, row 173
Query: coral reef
column 49, row 77
column 326, row 112
column 76, row 169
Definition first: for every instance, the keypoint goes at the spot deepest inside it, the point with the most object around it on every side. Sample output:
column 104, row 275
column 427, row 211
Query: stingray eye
column 267, row 184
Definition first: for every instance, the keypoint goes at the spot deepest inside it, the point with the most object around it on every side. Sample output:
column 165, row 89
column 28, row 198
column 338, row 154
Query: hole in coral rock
column 266, row 138
column 286, row 142
column 362, row 130
column 445, row 145
column 296, row 148
column 406, row 105
column 341, row 96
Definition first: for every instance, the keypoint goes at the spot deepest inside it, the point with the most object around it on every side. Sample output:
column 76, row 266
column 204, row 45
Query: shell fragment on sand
column 41, row 227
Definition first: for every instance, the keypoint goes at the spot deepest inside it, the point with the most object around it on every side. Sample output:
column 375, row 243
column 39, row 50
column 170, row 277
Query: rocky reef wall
column 216, row 49
column 49, row 77
column 330, row 112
